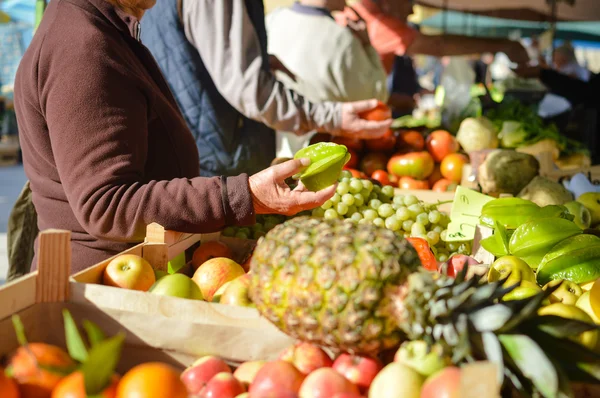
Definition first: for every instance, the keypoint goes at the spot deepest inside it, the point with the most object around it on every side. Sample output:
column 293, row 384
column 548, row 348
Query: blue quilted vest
column 228, row 142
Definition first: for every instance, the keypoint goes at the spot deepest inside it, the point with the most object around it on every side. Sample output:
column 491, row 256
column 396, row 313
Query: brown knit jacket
column 104, row 145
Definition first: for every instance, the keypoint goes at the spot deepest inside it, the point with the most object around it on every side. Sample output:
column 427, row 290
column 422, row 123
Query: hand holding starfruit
column 326, row 162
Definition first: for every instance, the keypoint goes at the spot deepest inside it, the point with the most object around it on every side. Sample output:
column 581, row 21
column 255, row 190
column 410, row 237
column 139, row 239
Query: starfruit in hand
column 326, row 162
column 576, row 259
column 532, row 240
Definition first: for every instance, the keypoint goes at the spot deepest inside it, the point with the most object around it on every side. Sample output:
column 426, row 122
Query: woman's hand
column 271, row 195
column 355, row 127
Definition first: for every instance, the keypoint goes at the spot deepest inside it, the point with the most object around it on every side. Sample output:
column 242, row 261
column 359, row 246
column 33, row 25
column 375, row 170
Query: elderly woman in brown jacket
column 105, row 147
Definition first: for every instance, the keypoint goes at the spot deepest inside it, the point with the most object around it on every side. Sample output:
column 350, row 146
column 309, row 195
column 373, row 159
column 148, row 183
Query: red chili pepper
column 425, row 254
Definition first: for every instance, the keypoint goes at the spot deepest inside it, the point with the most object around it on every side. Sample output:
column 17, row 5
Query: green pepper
column 327, row 160
column 575, row 259
column 531, row 241
column 510, row 212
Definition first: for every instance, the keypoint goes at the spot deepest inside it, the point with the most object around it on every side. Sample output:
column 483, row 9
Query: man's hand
column 271, row 195
column 356, row 127
column 276, row 65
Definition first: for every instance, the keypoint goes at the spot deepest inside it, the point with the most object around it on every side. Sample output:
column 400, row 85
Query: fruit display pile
column 406, row 159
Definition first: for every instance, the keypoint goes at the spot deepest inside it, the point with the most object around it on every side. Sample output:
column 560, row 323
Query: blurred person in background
column 391, row 35
column 327, row 61
column 565, row 62
column 215, row 60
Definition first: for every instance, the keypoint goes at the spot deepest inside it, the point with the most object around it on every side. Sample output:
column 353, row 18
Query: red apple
column 396, row 380
column 457, row 263
column 359, row 370
column 129, row 271
column 324, row 383
column 277, row 379
column 215, row 273
column 196, row 376
column 372, row 162
column 444, row 384
column 236, row 292
column 222, row 385
column 247, row 371
column 306, row 357
column 208, row 250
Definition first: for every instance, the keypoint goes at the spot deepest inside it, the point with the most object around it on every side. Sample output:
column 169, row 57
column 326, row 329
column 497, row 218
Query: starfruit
column 513, row 212
column 575, row 259
column 326, row 162
column 497, row 244
column 531, row 241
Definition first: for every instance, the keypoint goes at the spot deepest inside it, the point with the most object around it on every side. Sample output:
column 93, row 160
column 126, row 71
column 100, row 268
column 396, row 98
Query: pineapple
column 360, row 289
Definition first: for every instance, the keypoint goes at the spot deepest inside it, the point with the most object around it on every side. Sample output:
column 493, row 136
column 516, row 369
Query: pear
column 591, row 200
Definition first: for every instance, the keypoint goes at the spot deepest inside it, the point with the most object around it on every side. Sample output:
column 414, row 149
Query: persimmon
column 73, row 386
column 30, row 368
column 379, row 113
column 385, row 143
column 411, row 183
column 208, row 250
column 8, row 387
column 382, row 176
column 373, row 161
column 444, row 185
column 440, row 144
column 152, row 380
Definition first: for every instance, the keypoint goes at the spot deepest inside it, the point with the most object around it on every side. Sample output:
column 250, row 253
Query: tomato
column 410, row 141
column 379, row 113
column 350, row 143
column 411, row 183
column 385, row 143
column 418, row 165
column 426, row 256
column 354, row 159
column 320, row 137
column 436, row 175
column 452, row 166
column 373, row 161
column 381, row 176
column 443, row 384
column 444, row 185
column 440, row 144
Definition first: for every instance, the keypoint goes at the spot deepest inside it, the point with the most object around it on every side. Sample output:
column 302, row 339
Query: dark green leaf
column 94, row 334
column 532, row 362
column 564, row 350
column 101, row 364
column 491, row 318
column 19, row 330
column 524, row 309
column 564, row 384
column 59, row 370
column 75, row 345
column 558, row 326
column 593, row 369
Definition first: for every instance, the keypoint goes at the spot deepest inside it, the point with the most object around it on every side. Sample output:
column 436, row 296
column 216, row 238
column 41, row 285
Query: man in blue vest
column 214, row 56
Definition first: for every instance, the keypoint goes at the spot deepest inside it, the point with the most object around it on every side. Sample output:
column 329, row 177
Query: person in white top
column 329, row 62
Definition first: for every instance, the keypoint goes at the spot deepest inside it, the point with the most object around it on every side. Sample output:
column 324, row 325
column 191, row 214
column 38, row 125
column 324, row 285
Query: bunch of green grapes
column 361, row 201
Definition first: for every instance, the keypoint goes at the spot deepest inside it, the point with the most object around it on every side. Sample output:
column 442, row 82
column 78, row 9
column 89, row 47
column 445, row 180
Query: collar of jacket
column 115, row 16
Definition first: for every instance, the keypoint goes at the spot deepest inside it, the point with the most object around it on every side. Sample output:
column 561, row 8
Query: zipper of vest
column 138, row 31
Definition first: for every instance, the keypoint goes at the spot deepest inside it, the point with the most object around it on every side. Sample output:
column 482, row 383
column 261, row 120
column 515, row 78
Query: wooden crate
column 168, row 329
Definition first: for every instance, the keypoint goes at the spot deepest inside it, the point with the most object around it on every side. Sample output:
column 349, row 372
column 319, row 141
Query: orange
column 72, row 386
column 35, row 382
column 8, row 387
column 379, row 113
column 152, row 380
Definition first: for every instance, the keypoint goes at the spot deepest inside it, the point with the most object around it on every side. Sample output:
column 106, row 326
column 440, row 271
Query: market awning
column 454, row 22
column 530, row 10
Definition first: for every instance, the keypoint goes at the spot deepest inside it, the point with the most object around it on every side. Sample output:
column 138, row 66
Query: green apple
column 418, row 356
column 159, row 274
column 526, row 289
column 396, row 380
column 237, row 292
column 177, row 285
column 567, row 292
column 512, row 267
column 583, row 217
column 585, row 304
column 591, row 200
